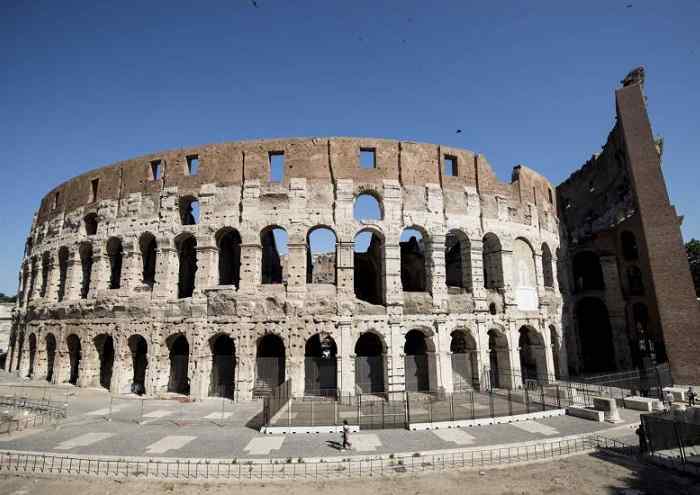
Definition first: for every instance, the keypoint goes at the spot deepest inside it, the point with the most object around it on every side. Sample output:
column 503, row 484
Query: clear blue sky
column 85, row 85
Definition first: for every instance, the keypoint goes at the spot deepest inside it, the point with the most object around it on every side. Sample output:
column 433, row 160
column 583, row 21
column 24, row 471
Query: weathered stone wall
column 321, row 181
column 5, row 326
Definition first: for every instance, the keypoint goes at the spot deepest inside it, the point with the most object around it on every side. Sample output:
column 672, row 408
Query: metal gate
column 463, row 372
column 417, row 373
column 376, row 413
column 369, row 374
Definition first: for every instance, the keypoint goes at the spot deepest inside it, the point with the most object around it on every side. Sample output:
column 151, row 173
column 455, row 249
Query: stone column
column 245, row 362
column 443, row 356
column 346, row 357
column 437, row 270
column 99, row 279
column 165, row 286
column 507, row 267
column 52, row 281
column 131, row 266
column 345, row 266
column 392, row 275
column 74, row 273
column 395, row 358
column 251, row 270
column 477, row 275
column 207, row 256
column 515, row 372
column 296, row 269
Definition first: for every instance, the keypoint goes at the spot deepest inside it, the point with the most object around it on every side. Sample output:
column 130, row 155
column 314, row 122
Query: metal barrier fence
column 674, row 436
column 273, row 469
column 20, row 413
column 278, row 398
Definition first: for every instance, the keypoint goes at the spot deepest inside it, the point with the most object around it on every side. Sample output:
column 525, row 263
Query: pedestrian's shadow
column 334, row 445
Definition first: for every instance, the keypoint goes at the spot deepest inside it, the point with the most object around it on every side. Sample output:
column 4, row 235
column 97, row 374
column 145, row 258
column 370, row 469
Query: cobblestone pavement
column 222, row 429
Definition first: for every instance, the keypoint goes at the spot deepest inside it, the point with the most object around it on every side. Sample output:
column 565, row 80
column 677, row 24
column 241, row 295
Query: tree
column 693, row 249
column 7, row 299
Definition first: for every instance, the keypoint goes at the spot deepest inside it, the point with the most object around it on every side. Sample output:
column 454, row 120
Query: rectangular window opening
column 156, row 169
column 192, row 164
column 368, row 158
column 55, row 200
column 450, row 166
column 276, row 166
column 94, row 188
column 551, row 199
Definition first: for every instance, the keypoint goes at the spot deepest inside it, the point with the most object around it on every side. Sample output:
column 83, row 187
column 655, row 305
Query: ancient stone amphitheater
column 346, row 265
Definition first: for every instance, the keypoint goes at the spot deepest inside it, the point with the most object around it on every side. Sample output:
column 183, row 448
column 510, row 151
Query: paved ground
column 100, row 425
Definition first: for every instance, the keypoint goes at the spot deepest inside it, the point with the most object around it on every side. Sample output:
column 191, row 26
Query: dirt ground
column 582, row 474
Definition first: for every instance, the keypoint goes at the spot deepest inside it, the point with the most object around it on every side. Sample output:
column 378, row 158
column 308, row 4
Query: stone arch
column 86, row 261
column 419, row 356
column 20, row 350
column 547, row 266
column 524, row 275
column 321, row 242
column 533, row 361
column 492, row 253
column 556, row 350
column 367, row 205
column 500, row 374
column 149, row 248
column 32, row 354
column 273, row 240
column 179, row 352
column 588, row 273
column 465, row 361
column 270, row 362
column 320, row 365
column 186, row 246
column 74, row 357
column 635, row 282
column 222, row 381
column 138, row 348
column 104, row 344
column 189, row 210
column 630, row 250
column 414, row 260
column 228, row 243
column 115, row 253
column 50, row 356
column 458, row 261
column 45, row 271
column 369, row 266
column 90, row 221
column 63, row 257
column 595, row 336
column 370, row 351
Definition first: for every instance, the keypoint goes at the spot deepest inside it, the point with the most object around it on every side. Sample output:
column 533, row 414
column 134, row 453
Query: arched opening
column 634, row 280
column 74, row 357
column 139, row 362
column 223, row 366
column 228, row 241
column 116, row 255
column 105, row 350
column 179, row 381
column 269, row 364
column 368, row 270
column 492, row 254
column 320, row 256
column 63, row 255
column 367, row 207
column 90, row 222
column 556, row 351
column 187, row 257
column 524, row 276
column 34, row 273
column 413, row 261
column 547, row 266
column 419, row 365
column 320, row 366
column 465, row 365
column 32, row 354
column 45, row 270
column 595, row 335
column 630, row 251
column 50, row 356
column 148, row 247
column 588, row 274
column 369, row 364
column 533, row 363
column 499, row 359
column 189, row 210
column 458, row 260
column 20, row 350
column 86, row 267
column 274, row 255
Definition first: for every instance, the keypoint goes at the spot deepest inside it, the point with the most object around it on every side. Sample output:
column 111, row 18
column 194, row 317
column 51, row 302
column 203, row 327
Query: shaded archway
column 187, row 257
column 547, row 266
column 45, row 274
column 414, row 273
column 274, row 244
column 228, row 241
column 50, row 356
column 458, row 265
column 179, row 381
column 630, row 251
column 368, row 272
column 139, row 362
column 20, row 350
column 90, row 221
column 222, row 381
column 63, row 256
column 148, row 247
column 588, row 273
column 74, row 357
column 556, row 351
column 85, row 252
column 269, row 364
column 115, row 253
column 419, row 365
column 533, row 363
column 32, row 354
column 189, row 210
column 635, row 282
column 320, row 366
column 320, row 256
column 492, row 253
column 369, row 364
column 499, row 360
column 595, row 336
column 465, row 367
column 104, row 344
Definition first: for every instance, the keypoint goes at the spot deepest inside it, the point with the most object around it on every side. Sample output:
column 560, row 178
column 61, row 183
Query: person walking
column 346, row 435
column 641, row 433
column 668, row 396
column 691, row 397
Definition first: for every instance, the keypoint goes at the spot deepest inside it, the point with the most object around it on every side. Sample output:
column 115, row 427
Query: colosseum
column 351, row 265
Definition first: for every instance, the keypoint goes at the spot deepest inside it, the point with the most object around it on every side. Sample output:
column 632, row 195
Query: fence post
column 312, row 412
column 544, row 407
column 491, row 403
column 452, row 407
column 407, row 408
column 527, row 401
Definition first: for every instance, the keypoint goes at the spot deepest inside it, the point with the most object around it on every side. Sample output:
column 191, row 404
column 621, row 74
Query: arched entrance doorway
column 417, row 362
column 499, row 359
column 50, row 356
column 556, row 350
column 269, row 364
column 595, row 336
column 320, row 366
column 369, row 364
column 32, row 354
column 465, row 368
column 533, row 364
column 223, row 355
column 104, row 344
column 74, row 356
column 179, row 381
column 139, row 360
